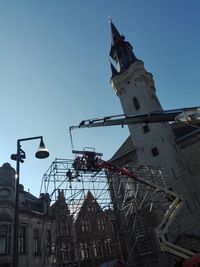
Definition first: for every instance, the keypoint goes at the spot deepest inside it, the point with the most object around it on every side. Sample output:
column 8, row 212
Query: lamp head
column 42, row 152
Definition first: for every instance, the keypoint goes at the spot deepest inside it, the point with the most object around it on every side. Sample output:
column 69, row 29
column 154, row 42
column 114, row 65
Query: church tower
column 155, row 142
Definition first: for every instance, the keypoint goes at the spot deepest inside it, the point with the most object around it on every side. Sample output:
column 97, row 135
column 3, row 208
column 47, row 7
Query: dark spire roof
column 121, row 51
column 113, row 69
column 114, row 33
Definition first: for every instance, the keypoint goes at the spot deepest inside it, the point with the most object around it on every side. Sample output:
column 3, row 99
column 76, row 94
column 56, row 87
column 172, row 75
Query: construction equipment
column 184, row 115
column 93, row 161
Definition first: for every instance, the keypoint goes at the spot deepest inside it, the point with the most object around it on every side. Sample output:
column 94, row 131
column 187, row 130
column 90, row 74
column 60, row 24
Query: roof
column 33, row 202
column 88, row 200
column 181, row 131
column 124, row 149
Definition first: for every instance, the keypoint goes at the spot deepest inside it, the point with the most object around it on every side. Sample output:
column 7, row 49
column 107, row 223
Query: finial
column 110, row 18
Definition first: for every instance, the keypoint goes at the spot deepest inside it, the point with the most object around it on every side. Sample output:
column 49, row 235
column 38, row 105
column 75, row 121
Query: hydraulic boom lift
column 91, row 161
column 185, row 115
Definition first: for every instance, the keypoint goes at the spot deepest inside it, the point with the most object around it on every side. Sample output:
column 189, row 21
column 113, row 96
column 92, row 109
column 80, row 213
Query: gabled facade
column 96, row 237
column 63, row 251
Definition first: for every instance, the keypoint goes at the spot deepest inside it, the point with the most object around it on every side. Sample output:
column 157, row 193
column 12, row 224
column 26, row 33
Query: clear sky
column 55, row 72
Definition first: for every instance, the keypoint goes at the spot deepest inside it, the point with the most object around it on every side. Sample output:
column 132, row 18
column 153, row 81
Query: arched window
column 136, row 103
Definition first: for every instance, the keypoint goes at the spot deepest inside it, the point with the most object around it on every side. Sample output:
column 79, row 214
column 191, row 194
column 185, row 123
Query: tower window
column 155, row 151
column 136, row 103
column 146, row 128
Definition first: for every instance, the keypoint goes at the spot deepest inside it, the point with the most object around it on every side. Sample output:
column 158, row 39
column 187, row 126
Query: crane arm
column 93, row 162
column 189, row 115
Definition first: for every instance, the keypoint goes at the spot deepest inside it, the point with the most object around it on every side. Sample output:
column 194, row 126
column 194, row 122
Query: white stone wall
column 137, row 82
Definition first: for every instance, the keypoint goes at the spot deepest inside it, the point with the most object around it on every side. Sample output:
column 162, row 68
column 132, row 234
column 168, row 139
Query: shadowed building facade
column 49, row 235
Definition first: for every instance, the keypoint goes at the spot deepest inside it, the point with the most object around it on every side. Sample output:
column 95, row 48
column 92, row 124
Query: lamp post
column 41, row 153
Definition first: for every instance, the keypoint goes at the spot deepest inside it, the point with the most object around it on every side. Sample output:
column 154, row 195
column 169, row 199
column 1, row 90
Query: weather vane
column 110, row 18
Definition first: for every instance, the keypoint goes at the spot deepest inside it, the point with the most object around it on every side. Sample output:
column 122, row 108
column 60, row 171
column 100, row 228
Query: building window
column 94, row 249
column 36, row 241
column 84, row 251
column 85, row 225
column 146, row 128
column 136, row 103
column 101, row 224
column 155, row 151
column 21, row 240
column 108, row 246
column 5, row 239
column 64, row 251
column 48, row 242
column 5, row 192
column 97, row 249
column 91, row 208
column 65, row 228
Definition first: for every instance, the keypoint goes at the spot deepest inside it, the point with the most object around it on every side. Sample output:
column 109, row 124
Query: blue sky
column 54, row 70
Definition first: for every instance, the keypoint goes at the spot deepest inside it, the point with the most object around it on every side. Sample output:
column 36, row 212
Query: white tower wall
column 156, row 147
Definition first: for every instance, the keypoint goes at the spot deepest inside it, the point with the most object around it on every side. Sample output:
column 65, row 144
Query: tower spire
column 121, row 50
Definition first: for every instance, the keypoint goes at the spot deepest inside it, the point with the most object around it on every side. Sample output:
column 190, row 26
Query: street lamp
column 41, row 153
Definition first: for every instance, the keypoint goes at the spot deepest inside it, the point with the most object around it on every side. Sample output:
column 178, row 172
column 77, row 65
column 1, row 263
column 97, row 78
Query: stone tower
column 155, row 143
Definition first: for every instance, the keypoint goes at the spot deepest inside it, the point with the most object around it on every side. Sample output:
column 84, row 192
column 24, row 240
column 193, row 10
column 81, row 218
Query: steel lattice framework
column 76, row 186
column 137, row 207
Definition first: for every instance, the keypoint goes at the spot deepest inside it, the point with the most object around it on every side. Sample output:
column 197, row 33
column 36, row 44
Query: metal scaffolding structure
column 61, row 175
column 137, row 208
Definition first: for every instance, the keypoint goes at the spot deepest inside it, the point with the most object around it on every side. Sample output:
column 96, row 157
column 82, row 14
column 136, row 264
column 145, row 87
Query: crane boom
column 91, row 161
column 189, row 115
